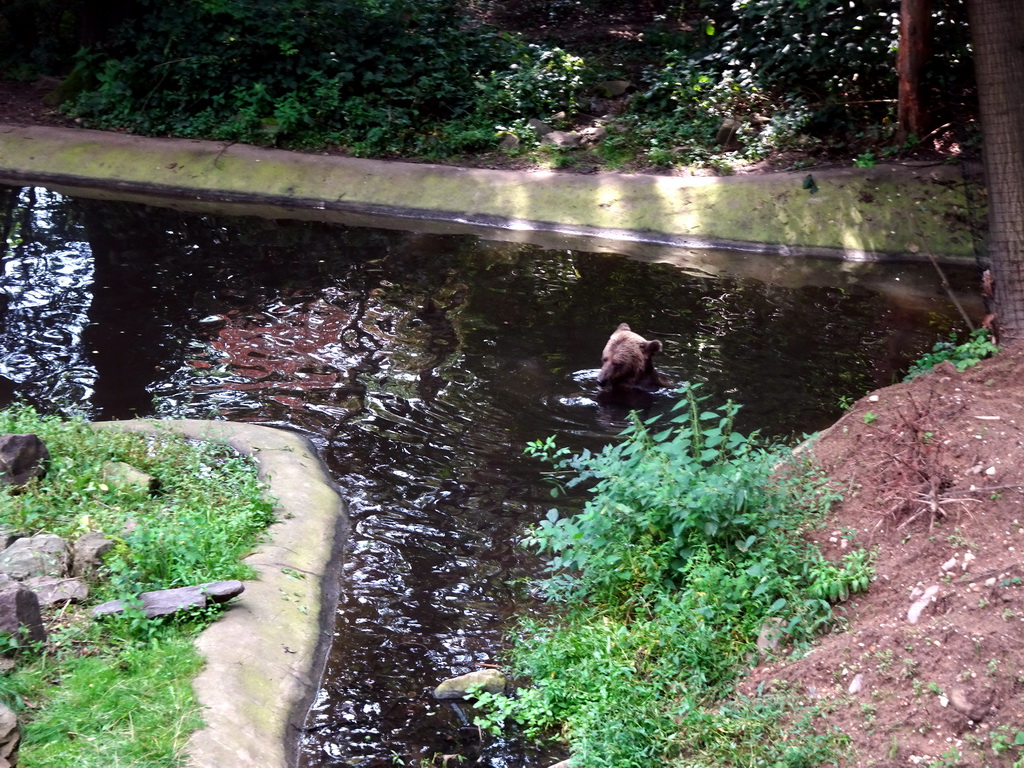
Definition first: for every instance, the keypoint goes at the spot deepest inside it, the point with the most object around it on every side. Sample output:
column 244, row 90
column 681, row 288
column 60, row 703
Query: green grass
column 118, row 692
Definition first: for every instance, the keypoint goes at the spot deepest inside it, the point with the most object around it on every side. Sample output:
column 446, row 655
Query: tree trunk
column 997, row 35
column 915, row 48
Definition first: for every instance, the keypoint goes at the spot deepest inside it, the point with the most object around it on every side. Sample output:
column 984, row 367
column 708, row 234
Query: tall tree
column 997, row 34
column 914, row 51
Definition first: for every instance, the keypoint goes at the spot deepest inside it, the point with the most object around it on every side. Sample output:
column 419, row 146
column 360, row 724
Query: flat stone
column 125, row 477
column 163, row 602
column 857, row 684
column 43, row 555
column 613, row 88
column 489, row 680
column 562, row 138
column 9, row 535
column 10, row 736
column 88, row 553
column 771, row 634
column 927, row 600
column 541, row 128
column 975, row 703
column 54, row 591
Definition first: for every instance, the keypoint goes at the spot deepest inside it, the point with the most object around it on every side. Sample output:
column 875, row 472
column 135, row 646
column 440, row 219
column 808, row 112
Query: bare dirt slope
column 932, row 473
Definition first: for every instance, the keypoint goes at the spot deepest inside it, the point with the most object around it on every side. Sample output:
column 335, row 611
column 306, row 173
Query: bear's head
column 626, row 362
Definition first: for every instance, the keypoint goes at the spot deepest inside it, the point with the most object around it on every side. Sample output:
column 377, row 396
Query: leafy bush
column 379, row 77
column 795, row 72
column 688, row 548
column 976, row 348
column 658, row 499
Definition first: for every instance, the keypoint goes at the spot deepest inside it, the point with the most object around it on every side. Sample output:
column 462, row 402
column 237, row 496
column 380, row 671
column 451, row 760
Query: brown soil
column 932, row 474
column 22, row 103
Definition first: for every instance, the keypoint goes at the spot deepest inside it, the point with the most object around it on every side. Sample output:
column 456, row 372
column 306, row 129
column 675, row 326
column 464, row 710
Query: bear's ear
column 622, row 327
column 653, row 347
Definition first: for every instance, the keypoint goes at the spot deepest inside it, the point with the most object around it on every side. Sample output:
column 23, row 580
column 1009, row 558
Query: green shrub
column 793, row 73
column 375, row 76
column 687, row 549
column 976, row 348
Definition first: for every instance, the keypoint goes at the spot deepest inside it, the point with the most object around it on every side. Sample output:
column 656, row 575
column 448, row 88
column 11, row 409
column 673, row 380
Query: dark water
column 420, row 364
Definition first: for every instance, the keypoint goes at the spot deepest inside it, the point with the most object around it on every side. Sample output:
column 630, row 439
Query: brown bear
column 626, row 362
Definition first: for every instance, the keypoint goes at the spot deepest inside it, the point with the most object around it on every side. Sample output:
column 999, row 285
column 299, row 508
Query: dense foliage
column 973, row 350
column 716, row 83
column 376, row 77
column 687, row 550
column 791, row 74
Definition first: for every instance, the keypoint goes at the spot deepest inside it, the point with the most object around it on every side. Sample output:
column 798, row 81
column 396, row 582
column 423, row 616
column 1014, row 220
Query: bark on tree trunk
column 997, row 35
column 915, row 48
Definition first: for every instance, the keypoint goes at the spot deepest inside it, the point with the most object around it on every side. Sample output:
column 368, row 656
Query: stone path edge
column 264, row 656
column 888, row 212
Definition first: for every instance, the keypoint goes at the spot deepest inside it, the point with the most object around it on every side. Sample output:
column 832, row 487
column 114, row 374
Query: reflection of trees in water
column 313, row 314
column 307, row 308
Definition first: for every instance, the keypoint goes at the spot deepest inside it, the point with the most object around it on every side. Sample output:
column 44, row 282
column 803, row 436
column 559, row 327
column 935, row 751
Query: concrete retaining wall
column 883, row 212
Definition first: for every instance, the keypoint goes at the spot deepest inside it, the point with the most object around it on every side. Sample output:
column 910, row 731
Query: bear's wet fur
column 626, row 363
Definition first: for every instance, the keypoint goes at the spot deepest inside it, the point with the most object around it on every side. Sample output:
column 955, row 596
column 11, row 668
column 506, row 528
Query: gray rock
column 10, row 736
column 595, row 134
column 43, row 555
column 857, row 684
column 772, row 632
column 612, row 88
column 562, row 138
column 975, row 703
column 166, row 601
column 542, row 128
column 19, row 613
column 53, row 591
column 22, row 457
column 489, row 680
column 125, row 477
column 88, row 554
column 925, row 601
column 8, row 535
column 509, row 142
column 726, row 135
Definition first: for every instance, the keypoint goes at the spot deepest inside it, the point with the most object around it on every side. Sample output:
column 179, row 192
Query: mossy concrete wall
column 883, row 212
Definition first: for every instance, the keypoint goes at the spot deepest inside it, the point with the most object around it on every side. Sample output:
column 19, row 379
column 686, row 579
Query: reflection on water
column 420, row 364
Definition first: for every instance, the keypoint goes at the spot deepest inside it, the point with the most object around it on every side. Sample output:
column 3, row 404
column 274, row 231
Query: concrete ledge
column 265, row 655
column 885, row 212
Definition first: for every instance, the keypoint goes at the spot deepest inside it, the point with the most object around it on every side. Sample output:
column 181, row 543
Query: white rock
column 915, row 611
column 857, row 684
